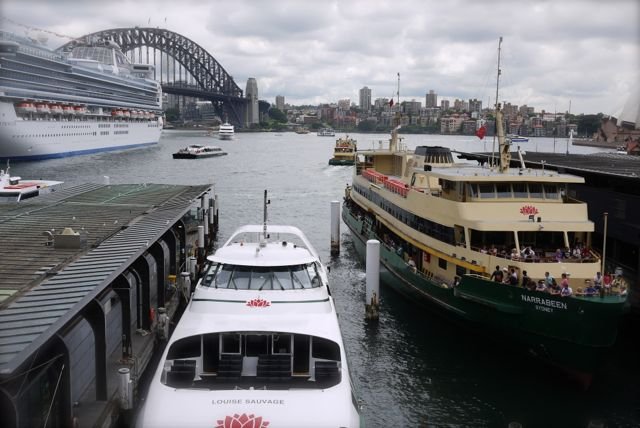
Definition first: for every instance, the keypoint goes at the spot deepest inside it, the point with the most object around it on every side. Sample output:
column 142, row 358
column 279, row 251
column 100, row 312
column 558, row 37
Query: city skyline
column 583, row 53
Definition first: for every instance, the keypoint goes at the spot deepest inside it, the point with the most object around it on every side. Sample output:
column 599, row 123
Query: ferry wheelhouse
column 259, row 343
column 445, row 227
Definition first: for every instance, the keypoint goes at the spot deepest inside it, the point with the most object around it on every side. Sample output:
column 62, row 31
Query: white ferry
column 326, row 132
column 226, row 131
column 14, row 189
column 259, row 343
column 85, row 99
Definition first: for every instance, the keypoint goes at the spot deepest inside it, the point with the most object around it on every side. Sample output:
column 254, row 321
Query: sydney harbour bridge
column 185, row 68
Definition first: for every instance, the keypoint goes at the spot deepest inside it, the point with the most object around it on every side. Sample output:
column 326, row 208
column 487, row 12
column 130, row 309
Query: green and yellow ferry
column 344, row 151
column 444, row 227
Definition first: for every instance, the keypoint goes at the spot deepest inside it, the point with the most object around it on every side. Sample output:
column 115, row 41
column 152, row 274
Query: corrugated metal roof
column 48, row 285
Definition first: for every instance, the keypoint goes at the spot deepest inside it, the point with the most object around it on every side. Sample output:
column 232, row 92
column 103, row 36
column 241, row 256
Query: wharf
column 612, row 185
column 82, row 274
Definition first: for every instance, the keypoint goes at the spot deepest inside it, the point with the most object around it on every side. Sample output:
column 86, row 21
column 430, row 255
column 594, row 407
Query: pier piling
column 335, row 227
column 372, row 305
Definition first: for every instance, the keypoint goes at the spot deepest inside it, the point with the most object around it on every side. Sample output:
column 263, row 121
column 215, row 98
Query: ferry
column 14, row 189
column 85, row 98
column 259, row 343
column 489, row 246
column 198, row 151
column 326, row 132
column 344, row 151
column 517, row 138
column 226, row 131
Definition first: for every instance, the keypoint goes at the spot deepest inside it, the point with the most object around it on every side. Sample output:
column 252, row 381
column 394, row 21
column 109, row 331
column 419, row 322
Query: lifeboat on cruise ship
column 25, row 108
column 117, row 113
column 42, row 108
column 68, row 110
column 80, row 110
column 126, row 113
column 135, row 114
column 55, row 108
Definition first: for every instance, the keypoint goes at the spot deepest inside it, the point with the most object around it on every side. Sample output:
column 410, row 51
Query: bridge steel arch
column 214, row 83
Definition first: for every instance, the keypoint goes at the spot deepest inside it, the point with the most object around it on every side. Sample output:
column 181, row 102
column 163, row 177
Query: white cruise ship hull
column 22, row 139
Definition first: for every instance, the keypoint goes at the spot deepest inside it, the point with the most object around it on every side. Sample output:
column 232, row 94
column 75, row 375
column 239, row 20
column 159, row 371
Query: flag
column 480, row 133
column 391, row 103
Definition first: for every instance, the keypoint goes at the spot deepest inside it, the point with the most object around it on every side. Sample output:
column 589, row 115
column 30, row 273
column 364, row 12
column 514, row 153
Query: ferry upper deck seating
column 327, row 372
column 230, row 366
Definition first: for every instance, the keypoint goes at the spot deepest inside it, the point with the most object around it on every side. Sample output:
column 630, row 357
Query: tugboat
column 259, row 343
column 344, row 152
column 488, row 245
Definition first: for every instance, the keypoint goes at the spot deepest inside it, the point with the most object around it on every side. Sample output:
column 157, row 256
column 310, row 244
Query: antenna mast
column 264, row 223
column 493, row 149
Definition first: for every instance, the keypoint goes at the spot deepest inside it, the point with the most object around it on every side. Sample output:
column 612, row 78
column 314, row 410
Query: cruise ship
column 84, row 99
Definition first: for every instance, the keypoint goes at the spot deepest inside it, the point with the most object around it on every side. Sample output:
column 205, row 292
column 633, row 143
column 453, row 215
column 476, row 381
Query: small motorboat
column 13, row 189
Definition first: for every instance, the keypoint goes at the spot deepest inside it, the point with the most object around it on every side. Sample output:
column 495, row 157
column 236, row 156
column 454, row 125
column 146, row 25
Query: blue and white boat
column 517, row 138
column 84, row 99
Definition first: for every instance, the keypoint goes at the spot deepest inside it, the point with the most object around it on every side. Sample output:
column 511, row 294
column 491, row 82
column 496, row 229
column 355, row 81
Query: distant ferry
column 85, row 99
column 344, row 151
column 226, row 131
column 326, row 132
column 517, row 138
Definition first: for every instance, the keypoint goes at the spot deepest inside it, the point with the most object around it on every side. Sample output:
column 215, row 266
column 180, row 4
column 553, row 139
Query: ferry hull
column 573, row 334
column 338, row 162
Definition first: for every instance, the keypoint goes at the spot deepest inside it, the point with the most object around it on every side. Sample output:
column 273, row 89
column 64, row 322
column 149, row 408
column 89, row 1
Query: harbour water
column 411, row 368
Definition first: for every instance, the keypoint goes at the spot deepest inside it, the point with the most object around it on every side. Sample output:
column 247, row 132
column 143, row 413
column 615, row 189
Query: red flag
column 480, row 133
column 391, row 103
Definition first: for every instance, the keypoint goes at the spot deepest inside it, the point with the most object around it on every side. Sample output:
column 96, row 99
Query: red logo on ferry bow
column 528, row 210
column 258, row 303
column 242, row 421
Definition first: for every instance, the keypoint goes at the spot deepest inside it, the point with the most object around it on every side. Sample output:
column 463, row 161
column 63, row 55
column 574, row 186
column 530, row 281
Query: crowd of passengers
column 600, row 285
column 579, row 252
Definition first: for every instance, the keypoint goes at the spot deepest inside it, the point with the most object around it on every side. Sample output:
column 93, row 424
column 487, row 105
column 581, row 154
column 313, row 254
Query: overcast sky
column 554, row 52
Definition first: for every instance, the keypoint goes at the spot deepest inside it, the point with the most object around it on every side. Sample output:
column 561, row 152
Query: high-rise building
column 431, row 99
column 444, row 105
column 280, row 102
column 253, row 115
column 365, row 99
column 381, row 103
column 475, row 105
column 344, row 104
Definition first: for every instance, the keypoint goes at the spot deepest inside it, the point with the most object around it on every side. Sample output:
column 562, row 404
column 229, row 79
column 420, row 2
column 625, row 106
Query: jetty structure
column 87, row 289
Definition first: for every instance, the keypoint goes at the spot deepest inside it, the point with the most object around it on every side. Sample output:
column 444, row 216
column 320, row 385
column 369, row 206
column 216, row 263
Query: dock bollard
column 200, row 248
column 185, row 287
column 205, row 226
column 125, row 389
column 372, row 305
column 335, row 227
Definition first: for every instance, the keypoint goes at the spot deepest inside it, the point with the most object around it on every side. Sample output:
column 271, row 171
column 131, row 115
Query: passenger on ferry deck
column 412, row 265
column 483, row 250
column 525, row 278
column 559, row 255
column 513, row 277
column 542, row 286
column 496, row 273
column 528, row 253
column 566, row 290
column 597, row 280
column 606, row 282
column 548, row 279
column 505, row 276
column 514, row 254
column 493, row 250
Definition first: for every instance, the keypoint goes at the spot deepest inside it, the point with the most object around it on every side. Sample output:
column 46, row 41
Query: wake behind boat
column 198, row 151
column 259, row 344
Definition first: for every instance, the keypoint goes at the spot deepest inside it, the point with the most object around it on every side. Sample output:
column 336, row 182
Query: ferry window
column 301, row 277
column 460, row 271
column 261, row 278
column 188, row 347
column 551, row 191
column 442, row 263
column 222, row 276
column 535, row 190
column 325, row 349
column 519, row 190
column 241, row 278
column 472, row 190
column 281, row 343
column 503, row 190
column 282, row 279
column 230, row 343
column 487, row 190
column 256, row 344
